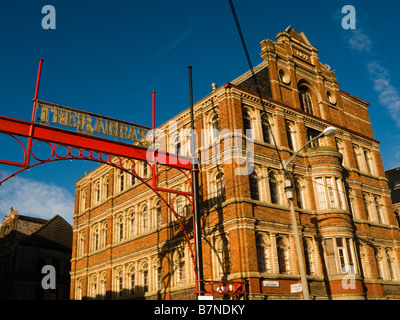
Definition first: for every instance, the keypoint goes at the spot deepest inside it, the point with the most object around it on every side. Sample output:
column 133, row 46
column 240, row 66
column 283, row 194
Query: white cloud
column 36, row 198
column 389, row 96
column 359, row 41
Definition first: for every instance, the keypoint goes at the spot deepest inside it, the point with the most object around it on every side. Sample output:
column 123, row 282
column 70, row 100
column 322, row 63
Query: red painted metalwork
column 235, row 289
column 22, row 128
column 29, row 145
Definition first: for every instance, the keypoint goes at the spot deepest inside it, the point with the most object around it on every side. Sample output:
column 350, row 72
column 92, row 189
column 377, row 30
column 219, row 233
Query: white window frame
column 329, row 193
column 345, row 261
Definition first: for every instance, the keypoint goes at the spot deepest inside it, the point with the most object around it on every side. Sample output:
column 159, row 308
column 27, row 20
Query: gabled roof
column 54, row 234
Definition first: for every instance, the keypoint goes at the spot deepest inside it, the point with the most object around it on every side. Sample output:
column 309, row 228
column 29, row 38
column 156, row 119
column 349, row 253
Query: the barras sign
column 51, row 114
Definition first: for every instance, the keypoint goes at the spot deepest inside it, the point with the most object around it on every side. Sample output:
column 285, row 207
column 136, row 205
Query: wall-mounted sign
column 296, row 288
column 270, row 283
column 54, row 115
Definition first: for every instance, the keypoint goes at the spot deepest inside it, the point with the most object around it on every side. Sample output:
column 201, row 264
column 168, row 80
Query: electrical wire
column 255, row 79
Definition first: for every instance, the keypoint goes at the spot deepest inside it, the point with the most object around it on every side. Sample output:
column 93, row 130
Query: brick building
column 128, row 245
column 27, row 244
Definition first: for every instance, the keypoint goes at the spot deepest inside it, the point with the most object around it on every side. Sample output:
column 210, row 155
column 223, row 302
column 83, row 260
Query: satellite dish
column 327, row 67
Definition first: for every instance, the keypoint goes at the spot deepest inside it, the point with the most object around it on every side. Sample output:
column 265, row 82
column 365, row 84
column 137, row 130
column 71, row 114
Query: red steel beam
column 75, row 139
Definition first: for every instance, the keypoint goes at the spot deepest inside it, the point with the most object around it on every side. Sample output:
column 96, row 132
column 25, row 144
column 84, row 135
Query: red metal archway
column 68, row 145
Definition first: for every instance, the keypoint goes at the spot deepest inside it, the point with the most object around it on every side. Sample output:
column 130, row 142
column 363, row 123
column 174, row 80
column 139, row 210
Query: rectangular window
column 312, row 134
column 321, row 194
column 339, row 253
column 368, row 161
column 121, row 181
column 330, row 255
column 341, row 194
column 331, row 193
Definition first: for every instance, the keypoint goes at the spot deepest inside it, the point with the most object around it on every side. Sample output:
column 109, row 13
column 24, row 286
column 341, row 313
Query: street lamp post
column 329, row 131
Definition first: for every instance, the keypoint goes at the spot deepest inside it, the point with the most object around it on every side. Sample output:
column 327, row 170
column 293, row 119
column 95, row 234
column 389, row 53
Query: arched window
column 79, row 288
column 220, row 187
column 299, row 193
column 104, row 233
column 181, row 275
column 103, row 286
column 367, row 207
column 121, row 181
column 222, row 266
column 378, row 210
column 120, row 228
column 357, row 158
column 305, row 100
column 368, row 161
column 96, row 236
column 254, row 189
column 178, row 205
column 97, row 192
column 158, row 213
column 247, row 126
column 266, row 128
column 283, row 254
column 176, row 144
column 132, row 280
column 132, row 225
column 273, row 187
column 119, row 281
column 83, row 200
column 215, row 128
column 179, row 267
column 390, row 265
column 263, row 248
column 309, row 256
column 290, row 134
column 105, row 188
column 145, row 219
column 145, row 170
column 158, row 274
column 93, row 287
column 145, row 277
column 131, row 173
column 81, row 243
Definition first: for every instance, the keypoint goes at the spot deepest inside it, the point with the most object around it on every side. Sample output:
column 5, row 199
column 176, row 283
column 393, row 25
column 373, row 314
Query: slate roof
column 55, row 234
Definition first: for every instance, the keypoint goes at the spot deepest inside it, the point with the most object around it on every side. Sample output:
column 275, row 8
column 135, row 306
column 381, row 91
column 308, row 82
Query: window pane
column 254, row 187
column 305, row 100
column 331, row 195
column 330, row 255
column 265, row 128
column 273, row 188
column 321, row 194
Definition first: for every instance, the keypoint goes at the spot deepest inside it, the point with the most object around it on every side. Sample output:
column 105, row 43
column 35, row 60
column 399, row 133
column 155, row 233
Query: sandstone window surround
column 388, row 264
column 275, row 253
column 374, row 208
column 83, row 200
column 221, row 257
column 364, row 160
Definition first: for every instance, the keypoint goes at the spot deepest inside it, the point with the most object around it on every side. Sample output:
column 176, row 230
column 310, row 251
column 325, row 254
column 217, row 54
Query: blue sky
column 108, row 56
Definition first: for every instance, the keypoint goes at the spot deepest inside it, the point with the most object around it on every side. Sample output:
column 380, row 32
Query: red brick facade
column 124, row 247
